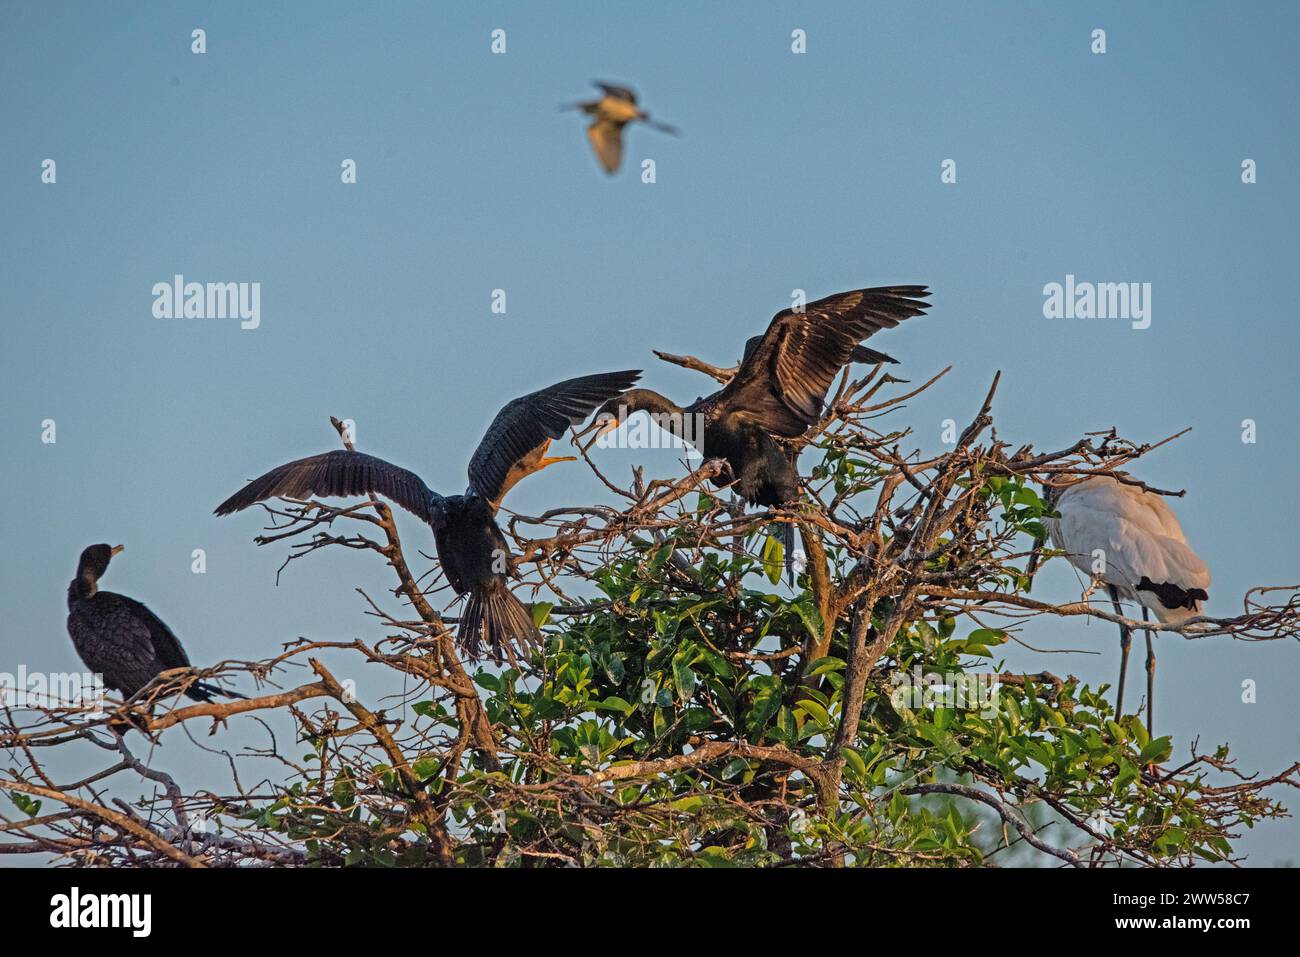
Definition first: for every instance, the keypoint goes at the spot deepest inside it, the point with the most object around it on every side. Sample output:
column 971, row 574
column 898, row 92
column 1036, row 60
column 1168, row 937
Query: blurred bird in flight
column 615, row 109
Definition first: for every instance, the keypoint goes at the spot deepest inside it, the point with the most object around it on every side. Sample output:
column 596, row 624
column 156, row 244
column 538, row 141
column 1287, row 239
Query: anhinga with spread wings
column 119, row 638
column 777, row 393
column 615, row 109
column 471, row 548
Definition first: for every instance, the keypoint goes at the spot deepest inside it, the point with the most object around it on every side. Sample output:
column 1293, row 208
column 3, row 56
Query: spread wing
column 783, row 379
column 341, row 473
column 860, row 354
column 607, row 140
column 514, row 443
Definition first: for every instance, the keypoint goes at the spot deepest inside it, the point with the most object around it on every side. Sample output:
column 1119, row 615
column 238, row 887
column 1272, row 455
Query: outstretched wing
column 341, row 473
column 513, row 445
column 861, row 354
column 783, row 379
column 607, row 141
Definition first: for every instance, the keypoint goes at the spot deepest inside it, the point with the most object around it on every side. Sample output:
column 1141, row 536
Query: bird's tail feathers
column 204, row 691
column 493, row 615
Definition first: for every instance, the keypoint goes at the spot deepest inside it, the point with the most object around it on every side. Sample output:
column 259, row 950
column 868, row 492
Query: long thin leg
column 1125, row 640
column 1151, row 677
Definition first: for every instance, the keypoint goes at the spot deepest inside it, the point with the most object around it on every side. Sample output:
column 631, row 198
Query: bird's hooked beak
column 116, row 549
column 604, row 423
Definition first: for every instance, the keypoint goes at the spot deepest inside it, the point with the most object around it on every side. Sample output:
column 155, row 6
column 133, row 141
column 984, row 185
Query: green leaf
column 683, row 676
column 544, row 708
column 426, row 768
column 854, row 762
column 811, row 618
column 773, row 555
column 542, row 612
column 734, row 767
column 1128, row 773
column 1157, row 750
column 824, row 666
column 814, row 710
column 767, row 700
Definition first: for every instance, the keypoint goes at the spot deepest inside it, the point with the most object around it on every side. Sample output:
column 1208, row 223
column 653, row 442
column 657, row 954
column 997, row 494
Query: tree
column 684, row 712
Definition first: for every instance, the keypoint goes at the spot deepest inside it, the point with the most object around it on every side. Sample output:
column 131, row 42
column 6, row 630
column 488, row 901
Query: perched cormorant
column 777, row 393
column 471, row 548
column 614, row 110
column 118, row 637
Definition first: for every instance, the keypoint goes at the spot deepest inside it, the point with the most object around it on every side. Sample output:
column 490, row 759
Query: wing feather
column 525, row 425
column 341, row 473
column 783, row 379
column 1134, row 530
column 607, row 140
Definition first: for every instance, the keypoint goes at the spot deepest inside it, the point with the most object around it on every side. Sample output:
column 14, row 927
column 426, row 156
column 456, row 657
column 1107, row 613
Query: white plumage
column 1137, row 535
column 1130, row 539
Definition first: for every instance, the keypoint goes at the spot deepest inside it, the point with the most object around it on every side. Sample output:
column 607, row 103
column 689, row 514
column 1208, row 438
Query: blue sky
column 818, row 171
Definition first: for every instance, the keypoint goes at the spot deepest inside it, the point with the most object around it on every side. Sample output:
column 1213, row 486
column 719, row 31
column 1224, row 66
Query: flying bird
column 471, row 547
column 777, row 393
column 119, row 638
column 616, row 108
column 1131, row 540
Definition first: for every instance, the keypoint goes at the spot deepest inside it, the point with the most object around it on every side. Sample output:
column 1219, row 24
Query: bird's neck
column 83, row 586
column 647, row 400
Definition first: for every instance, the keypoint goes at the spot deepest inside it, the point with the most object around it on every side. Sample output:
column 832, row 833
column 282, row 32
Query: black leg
column 1151, row 677
column 1125, row 640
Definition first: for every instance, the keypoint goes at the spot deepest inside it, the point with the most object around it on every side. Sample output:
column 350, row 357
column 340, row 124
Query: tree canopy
column 689, row 708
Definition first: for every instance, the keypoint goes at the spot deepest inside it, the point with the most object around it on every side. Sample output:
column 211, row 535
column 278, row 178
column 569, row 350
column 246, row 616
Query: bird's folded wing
column 341, row 473
column 782, row 382
column 166, row 646
column 523, row 427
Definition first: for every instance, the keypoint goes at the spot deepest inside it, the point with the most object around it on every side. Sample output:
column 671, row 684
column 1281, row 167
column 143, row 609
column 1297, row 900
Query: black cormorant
column 471, row 548
column 777, row 392
column 614, row 110
column 119, row 638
